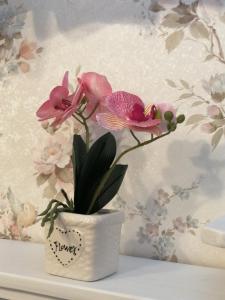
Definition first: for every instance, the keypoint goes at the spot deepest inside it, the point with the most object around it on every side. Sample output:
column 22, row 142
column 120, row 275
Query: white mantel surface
column 22, row 276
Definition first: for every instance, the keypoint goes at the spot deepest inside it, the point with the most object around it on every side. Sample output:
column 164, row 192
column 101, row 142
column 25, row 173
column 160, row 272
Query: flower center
column 137, row 113
column 63, row 104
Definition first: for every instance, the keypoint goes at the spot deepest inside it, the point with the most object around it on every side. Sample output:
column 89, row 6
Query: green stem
column 75, row 117
column 84, row 122
column 107, row 175
column 135, row 137
column 87, row 134
column 93, row 111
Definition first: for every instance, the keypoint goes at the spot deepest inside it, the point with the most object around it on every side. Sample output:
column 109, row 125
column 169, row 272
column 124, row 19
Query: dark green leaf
column 111, row 187
column 78, row 158
column 79, row 154
column 98, row 161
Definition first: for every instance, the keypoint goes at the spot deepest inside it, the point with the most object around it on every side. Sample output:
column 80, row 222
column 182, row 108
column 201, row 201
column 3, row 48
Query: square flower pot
column 84, row 247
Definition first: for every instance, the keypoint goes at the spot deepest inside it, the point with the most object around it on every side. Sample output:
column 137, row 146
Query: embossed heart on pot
column 66, row 245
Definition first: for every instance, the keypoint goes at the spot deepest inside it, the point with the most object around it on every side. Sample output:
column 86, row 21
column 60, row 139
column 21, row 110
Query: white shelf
column 22, row 276
column 214, row 233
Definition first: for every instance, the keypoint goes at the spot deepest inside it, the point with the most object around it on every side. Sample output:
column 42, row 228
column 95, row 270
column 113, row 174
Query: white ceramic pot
column 84, row 247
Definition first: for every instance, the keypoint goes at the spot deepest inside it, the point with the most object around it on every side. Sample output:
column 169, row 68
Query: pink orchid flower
column 128, row 111
column 60, row 104
column 96, row 87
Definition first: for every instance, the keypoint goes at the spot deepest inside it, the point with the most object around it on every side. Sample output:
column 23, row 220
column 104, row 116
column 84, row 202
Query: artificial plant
column 97, row 172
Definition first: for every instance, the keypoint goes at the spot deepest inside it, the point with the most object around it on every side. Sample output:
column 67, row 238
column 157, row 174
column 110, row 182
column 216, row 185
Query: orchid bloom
column 60, row 104
column 96, row 87
column 128, row 111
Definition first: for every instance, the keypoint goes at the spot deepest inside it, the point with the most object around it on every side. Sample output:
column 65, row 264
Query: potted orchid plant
column 83, row 237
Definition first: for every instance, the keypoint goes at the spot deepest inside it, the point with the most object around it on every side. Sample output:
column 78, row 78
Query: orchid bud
column 168, row 116
column 180, row 119
column 171, row 126
column 45, row 124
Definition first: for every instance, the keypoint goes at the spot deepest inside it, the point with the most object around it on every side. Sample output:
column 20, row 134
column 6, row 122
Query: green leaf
column 78, row 157
column 216, row 138
column 111, row 187
column 173, row 40
column 195, row 119
column 98, row 161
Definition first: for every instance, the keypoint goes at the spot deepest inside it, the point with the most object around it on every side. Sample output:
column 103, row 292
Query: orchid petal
column 58, row 93
column 47, row 111
column 96, row 86
column 145, row 124
column 77, row 95
column 63, row 117
column 65, row 81
column 121, row 103
column 164, row 107
column 110, row 121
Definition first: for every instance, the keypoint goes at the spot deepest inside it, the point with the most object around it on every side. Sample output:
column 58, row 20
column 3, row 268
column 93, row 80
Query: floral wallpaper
column 162, row 50
column 16, row 50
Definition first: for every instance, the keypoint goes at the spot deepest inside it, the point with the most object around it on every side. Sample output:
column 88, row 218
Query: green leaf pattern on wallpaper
column 17, row 52
column 184, row 22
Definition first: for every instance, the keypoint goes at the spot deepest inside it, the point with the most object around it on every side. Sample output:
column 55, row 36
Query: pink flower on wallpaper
column 14, row 231
column 128, row 111
column 179, row 225
column 214, row 112
column 27, row 50
column 27, row 215
column 55, row 153
column 152, row 229
column 208, row 128
column 60, row 105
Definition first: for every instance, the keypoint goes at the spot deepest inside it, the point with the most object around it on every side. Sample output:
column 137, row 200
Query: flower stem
column 135, row 137
column 93, row 111
column 84, row 123
column 107, row 175
column 76, row 118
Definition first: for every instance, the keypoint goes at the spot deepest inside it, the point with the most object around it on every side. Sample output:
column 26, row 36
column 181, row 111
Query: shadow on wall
column 187, row 162
column 193, row 175
column 70, row 14
column 196, row 159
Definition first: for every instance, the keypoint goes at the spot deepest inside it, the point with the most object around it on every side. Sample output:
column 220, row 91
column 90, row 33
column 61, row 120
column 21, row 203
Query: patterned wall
column 161, row 50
